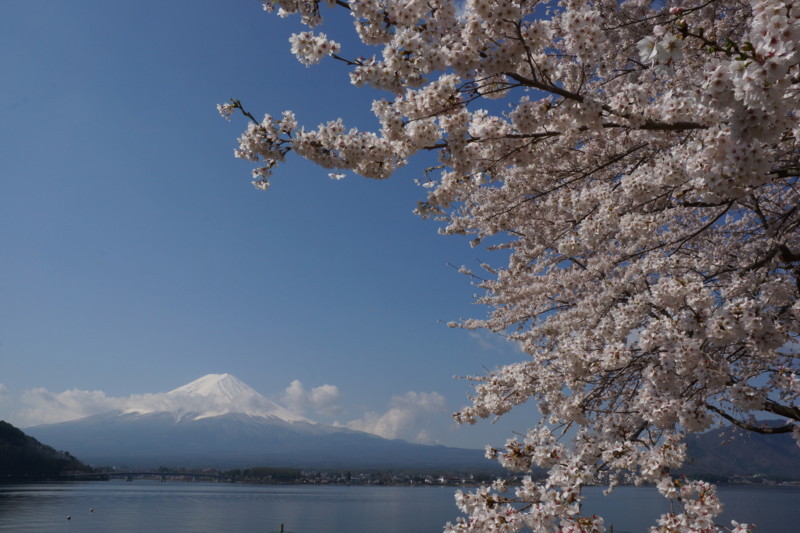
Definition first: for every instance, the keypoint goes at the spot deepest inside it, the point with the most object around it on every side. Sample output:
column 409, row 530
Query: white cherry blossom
column 639, row 161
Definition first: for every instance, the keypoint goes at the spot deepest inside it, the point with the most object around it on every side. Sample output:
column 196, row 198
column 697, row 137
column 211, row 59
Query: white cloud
column 323, row 399
column 4, row 395
column 40, row 406
column 6, row 403
column 414, row 416
column 493, row 342
column 483, row 340
column 406, row 417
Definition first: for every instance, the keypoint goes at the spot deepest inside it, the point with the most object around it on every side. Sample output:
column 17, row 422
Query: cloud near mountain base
column 323, row 399
column 41, row 406
column 406, row 417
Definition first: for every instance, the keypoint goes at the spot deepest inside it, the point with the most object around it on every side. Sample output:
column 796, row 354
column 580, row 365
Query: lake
column 153, row 507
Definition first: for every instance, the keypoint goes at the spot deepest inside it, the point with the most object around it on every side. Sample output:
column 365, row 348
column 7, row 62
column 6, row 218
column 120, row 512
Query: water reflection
column 208, row 507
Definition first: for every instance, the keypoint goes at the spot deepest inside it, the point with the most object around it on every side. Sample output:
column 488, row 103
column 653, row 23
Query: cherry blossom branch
column 613, row 160
column 764, row 430
column 650, row 209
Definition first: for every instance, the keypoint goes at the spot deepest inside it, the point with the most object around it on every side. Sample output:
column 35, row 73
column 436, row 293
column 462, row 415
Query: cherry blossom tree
column 638, row 161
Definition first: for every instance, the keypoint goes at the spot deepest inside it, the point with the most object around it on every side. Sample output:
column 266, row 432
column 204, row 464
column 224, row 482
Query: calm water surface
column 153, row 507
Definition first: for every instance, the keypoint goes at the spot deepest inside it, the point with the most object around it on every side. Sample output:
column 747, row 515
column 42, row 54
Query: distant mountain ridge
column 219, row 421
column 724, row 453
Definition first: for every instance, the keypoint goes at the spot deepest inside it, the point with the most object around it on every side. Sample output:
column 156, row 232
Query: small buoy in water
column 91, row 509
column 69, row 517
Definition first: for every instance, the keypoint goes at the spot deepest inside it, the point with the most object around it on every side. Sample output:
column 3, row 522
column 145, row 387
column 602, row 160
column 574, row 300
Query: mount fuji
column 213, row 395
column 219, row 421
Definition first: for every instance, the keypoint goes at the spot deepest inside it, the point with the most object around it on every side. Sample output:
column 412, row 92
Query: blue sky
column 137, row 257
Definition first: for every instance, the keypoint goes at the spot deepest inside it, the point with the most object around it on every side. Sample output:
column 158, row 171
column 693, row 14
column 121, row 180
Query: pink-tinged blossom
column 642, row 177
column 310, row 48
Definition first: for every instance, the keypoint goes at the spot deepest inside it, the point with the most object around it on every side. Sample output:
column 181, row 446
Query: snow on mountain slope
column 217, row 385
column 212, row 395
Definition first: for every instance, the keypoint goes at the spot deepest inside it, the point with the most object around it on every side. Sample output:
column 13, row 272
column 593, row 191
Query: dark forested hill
column 23, row 458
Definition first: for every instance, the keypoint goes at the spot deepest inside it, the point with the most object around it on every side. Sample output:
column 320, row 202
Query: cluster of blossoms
column 640, row 162
column 310, row 48
column 661, row 48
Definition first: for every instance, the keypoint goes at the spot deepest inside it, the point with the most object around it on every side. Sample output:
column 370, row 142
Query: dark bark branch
column 238, row 105
column 786, row 172
column 756, row 429
column 782, row 410
column 782, row 251
column 615, row 159
column 569, row 95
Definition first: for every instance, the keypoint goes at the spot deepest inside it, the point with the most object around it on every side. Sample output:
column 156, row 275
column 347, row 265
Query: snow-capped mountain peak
column 221, row 386
column 213, row 395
